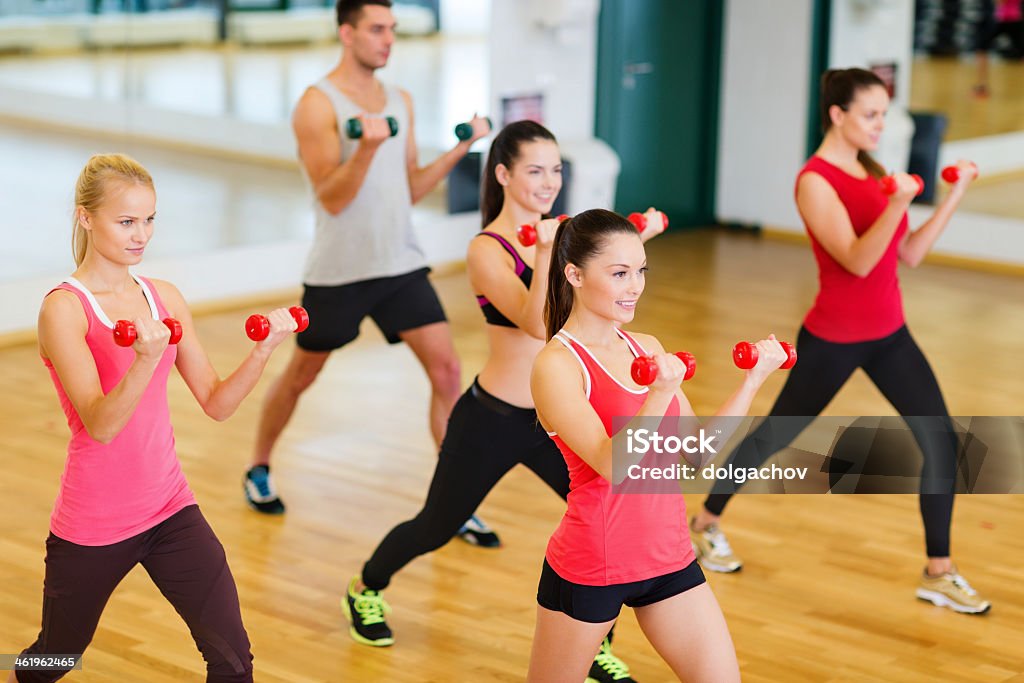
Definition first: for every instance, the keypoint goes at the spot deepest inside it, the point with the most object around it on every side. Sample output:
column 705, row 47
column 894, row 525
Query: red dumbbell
column 645, row 370
column 744, row 355
column 889, row 185
column 951, row 174
column 639, row 220
column 125, row 333
column 257, row 327
column 527, row 234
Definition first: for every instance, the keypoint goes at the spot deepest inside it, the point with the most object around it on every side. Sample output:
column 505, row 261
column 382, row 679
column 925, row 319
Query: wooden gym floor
column 827, row 593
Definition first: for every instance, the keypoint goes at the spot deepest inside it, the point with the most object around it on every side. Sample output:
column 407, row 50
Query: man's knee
column 446, row 375
column 303, row 371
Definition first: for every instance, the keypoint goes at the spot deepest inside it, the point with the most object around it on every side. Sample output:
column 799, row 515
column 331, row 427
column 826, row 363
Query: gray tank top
column 372, row 237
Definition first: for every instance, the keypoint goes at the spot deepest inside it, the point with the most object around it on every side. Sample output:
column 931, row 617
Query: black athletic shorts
column 396, row 304
column 598, row 604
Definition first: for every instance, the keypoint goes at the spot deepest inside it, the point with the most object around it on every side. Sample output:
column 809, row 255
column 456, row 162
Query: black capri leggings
column 486, row 438
column 901, row 372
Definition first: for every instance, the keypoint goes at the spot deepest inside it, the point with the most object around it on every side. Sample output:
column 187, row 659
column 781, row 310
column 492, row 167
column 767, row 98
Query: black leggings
column 901, row 372
column 486, row 438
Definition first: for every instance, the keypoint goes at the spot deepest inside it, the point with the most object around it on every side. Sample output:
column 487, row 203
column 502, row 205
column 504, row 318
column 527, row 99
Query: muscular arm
column 316, row 131
column 424, row 179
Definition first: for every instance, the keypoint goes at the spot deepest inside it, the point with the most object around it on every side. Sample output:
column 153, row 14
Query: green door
column 658, row 72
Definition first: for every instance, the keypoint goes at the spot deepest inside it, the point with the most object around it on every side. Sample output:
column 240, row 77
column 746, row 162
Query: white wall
column 866, row 33
column 763, row 119
column 465, row 17
column 558, row 61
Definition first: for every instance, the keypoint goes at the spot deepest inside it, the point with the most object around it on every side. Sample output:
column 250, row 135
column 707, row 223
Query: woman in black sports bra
column 493, row 427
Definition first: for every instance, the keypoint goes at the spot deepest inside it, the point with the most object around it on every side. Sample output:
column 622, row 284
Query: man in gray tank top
column 365, row 259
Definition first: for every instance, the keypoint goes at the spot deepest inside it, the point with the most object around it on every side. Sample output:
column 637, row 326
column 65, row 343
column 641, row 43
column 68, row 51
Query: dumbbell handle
column 527, row 234
column 889, row 185
column 951, row 174
column 645, row 369
column 744, row 355
column 125, row 333
column 354, row 127
column 464, row 131
column 257, row 327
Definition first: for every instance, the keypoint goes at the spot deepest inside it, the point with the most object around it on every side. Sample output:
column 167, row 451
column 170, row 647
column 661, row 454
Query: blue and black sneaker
column 476, row 532
column 260, row 492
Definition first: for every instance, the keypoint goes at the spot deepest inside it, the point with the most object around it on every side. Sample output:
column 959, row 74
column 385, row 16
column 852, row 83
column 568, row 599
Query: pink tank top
column 1009, row 11
column 110, row 492
column 608, row 538
column 849, row 308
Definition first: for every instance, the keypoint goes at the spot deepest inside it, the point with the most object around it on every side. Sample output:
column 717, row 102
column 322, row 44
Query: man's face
column 369, row 41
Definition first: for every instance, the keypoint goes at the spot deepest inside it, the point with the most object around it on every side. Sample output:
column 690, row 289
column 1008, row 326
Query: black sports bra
column 525, row 273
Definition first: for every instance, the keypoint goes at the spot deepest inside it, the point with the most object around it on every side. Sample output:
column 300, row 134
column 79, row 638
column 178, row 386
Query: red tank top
column 849, row 308
column 608, row 538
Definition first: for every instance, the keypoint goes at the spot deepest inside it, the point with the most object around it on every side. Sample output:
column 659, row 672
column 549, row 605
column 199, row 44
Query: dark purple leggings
column 186, row 562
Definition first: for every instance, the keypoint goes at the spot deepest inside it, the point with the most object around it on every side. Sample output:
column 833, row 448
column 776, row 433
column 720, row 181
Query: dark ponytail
column 838, row 88
column 505, row 150
column 577, row 240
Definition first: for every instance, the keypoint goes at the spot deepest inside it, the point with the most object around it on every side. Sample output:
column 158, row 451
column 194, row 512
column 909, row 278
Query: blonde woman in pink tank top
column 123, row 499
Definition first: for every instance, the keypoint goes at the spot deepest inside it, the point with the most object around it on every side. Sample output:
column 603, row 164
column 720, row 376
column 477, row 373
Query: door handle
column 631, row 70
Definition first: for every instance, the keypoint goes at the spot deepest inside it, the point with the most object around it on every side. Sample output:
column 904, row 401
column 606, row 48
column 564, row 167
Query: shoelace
column 261, row 481
column 961, row 583
column 718, row 541
column 371, row 607
column 612, row 665
column 474, row 523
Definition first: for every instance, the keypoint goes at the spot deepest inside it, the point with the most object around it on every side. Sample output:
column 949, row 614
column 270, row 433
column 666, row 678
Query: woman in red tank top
column 859, row 236
column 615, row 549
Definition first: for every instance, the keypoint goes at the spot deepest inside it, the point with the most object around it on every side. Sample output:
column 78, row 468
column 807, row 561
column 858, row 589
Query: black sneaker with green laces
column 607, row 668
column 365, row 611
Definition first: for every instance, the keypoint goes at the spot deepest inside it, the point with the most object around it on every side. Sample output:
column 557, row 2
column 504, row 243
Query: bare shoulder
column 555, row 357
column 312, row 108
column 61, row 305
column 813, row 185
column 488, row 249
column 61, row 319
column 167, row 291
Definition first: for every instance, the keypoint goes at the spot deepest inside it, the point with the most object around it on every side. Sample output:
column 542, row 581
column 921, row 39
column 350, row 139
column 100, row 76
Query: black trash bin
column 929, row 129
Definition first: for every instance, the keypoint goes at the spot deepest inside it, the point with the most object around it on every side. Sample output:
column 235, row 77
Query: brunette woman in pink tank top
column 123, row 499
column 859, row 236
column 613, row 549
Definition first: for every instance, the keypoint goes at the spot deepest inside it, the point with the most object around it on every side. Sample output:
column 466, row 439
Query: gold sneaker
column 713, row 550
column 952, row 590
